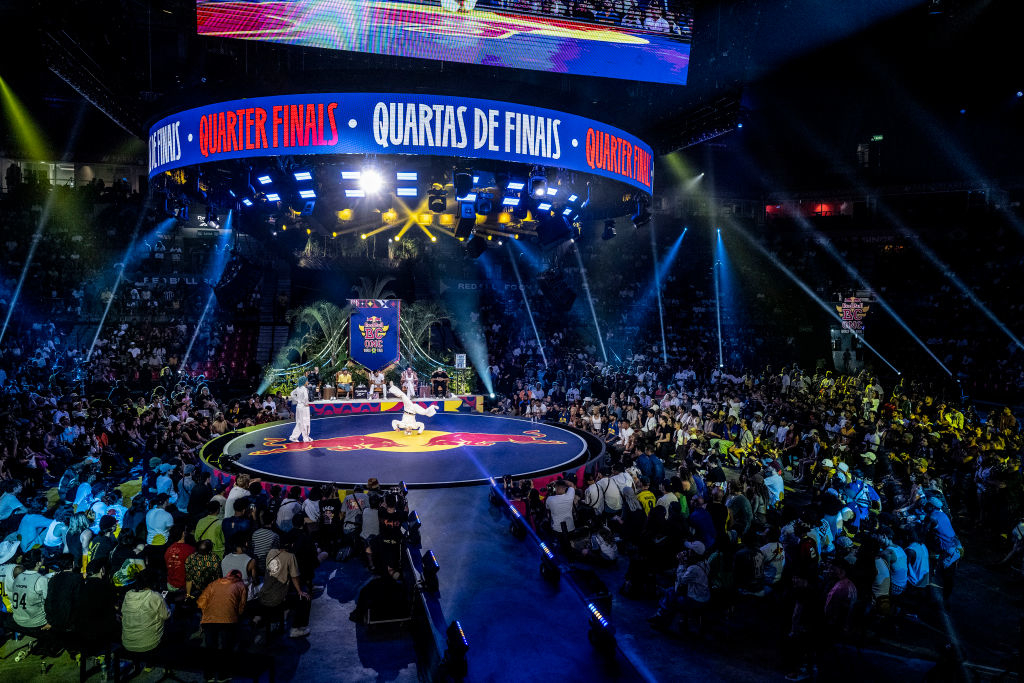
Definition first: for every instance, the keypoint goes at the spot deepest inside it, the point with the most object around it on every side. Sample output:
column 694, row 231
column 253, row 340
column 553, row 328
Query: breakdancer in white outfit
column 300, row 397
column 410, row 410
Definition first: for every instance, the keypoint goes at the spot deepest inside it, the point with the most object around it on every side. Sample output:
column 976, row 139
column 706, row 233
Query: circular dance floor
column 456, row 449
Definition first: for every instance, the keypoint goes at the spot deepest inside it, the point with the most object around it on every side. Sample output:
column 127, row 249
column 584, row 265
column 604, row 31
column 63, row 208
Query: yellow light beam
column 24, row 128
column 427, row 233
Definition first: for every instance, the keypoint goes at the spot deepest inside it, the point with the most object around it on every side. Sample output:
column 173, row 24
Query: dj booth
column 329, row 408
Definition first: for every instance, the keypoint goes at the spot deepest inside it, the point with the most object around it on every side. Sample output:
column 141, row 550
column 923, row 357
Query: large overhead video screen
column 645, row 40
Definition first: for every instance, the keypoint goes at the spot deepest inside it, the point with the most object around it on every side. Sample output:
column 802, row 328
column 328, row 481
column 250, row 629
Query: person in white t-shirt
column 560, row 504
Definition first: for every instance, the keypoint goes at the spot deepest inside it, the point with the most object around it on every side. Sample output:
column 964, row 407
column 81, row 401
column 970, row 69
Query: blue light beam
column 808, row 291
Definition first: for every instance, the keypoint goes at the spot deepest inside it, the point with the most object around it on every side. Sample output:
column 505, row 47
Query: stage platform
column 457, row 449
column 362, row 405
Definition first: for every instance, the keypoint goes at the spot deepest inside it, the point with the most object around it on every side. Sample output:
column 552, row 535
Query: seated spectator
column 177, row 553
column 201, row 568
column 143, row 614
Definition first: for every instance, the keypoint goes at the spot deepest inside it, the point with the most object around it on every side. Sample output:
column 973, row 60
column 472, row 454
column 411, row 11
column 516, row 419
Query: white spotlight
column 371, row 182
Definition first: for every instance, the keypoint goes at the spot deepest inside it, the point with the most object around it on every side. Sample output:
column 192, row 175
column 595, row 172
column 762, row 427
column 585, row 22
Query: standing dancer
column 300, row 396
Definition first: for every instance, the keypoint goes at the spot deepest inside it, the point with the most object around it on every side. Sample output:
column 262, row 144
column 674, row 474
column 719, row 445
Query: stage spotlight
column 264, row 179
column 549, row 569
column 303, row 175
column 462, row 179
column 642, row 216
column 307, row 194
column 354, row 194
column 510, row 201
column 390, row 216
column 538, row 183
column 1020, row 93
column 573, row 198
column 426, row 218
column 471, row 197
column 504, row 218
column 334, row 234
column 492, row 395
column 544, row 206
column 609, row 230
column 414, row 528
column 516, row 186
column 350, row 175
column 406, row 191
column 454, row 661
column 273, row 197
column 371, row 182
column 601, row 634
column 363, row 236
column 410, row 176
column 438, row 199
column 446, row 219
column 345, row 215
column 247, row 201
column 430, row 570
column 552, row 191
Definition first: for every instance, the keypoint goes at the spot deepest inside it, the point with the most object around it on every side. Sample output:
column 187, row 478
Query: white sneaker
column 299, row 632
column 293, row 440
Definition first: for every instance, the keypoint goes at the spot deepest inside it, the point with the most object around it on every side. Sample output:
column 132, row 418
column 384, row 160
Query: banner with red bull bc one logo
column 373, row 332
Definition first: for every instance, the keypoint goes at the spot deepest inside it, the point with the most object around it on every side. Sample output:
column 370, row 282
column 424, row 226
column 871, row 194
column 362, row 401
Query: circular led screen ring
column 387, row 123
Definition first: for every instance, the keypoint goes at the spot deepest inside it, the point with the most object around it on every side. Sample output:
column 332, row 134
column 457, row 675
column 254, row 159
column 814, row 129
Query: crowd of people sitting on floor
column 841, row 498
column 111, row 534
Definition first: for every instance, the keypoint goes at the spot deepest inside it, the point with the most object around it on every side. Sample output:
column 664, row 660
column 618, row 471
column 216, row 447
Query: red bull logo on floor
column 399, row 442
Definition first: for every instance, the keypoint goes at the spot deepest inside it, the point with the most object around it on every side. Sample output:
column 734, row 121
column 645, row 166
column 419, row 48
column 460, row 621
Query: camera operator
column 392, row 515
column 560, row 503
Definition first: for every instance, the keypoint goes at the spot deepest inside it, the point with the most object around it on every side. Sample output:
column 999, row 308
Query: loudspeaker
column 476, row 246
column 467, row 220
column 552, row 229
column 556, row 290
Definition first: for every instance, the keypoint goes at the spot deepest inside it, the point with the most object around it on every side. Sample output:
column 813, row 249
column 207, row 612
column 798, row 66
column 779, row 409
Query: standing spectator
column 283, row 576
column 560, row 506
column 209, row 529
column 222, row 603
column 264, row 540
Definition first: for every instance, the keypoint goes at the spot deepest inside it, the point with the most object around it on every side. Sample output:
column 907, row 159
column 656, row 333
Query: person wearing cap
column 943, row 540
column 692, row 590
column 300, row 397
